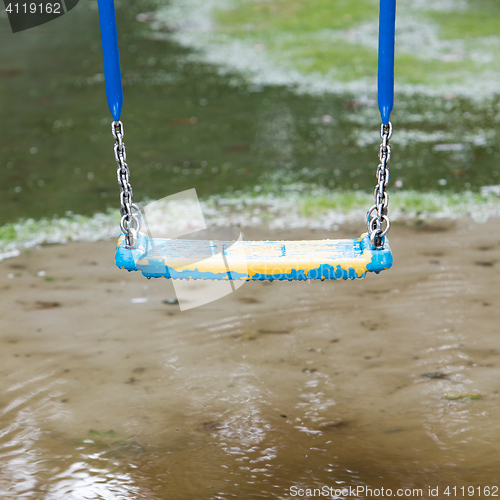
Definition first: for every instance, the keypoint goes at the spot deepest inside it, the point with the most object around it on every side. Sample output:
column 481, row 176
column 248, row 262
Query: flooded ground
column 109, row 392
column 187, row 125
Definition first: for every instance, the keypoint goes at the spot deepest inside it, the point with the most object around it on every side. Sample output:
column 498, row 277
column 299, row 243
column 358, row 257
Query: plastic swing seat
column 254, row 260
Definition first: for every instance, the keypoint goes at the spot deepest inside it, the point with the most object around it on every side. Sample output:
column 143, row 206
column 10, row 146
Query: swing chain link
column 377, row 215
column 130, row 222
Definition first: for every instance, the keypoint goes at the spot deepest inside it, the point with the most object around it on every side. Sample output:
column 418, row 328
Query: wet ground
column 108, row 391
column 188, row 126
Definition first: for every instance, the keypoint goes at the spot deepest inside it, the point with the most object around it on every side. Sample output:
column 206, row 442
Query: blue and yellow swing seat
column 254, row 260
column 251, row 260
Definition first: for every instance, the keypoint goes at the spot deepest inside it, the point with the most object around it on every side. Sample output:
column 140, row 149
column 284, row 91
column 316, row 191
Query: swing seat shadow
column 253, row 260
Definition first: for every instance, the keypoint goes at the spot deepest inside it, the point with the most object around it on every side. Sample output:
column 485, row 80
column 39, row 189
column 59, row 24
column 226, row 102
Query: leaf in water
column 462, row 397
column 247, row 336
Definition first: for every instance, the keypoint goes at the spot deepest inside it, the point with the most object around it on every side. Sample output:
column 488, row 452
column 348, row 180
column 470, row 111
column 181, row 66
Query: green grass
column 409, row 202
column 482, row 19
column 296, row 15
column 295, row 34
column 351, row 62
column 411, row 69
column 289, row 30
column 8, row 233
column 311, row 206
column 408, row 205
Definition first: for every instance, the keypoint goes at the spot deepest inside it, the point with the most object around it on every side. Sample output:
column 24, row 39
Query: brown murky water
column 276, row 386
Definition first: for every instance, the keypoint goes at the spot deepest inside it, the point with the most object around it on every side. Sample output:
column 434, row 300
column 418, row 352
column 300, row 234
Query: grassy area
column 324, row 207
column 291, row 30
column 296, row 16
column 482, row 20
column 351, row 62
column 413, row 203
column 338, row 37
column 410, row 69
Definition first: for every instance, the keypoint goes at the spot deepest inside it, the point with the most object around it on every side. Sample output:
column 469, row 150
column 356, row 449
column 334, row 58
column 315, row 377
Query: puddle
column 341, row 384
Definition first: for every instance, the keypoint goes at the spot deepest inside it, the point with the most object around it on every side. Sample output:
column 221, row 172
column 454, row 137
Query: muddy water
column 104, row 396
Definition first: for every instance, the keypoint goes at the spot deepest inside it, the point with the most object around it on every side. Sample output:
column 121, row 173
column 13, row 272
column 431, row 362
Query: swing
column 253, row 260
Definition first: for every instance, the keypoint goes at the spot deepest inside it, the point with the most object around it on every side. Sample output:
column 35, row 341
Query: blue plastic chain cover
column 386, row 35
column 111, row 56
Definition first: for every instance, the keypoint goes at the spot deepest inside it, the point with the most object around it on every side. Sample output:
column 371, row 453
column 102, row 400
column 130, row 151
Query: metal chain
column 130, row 222
column 378, row 220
